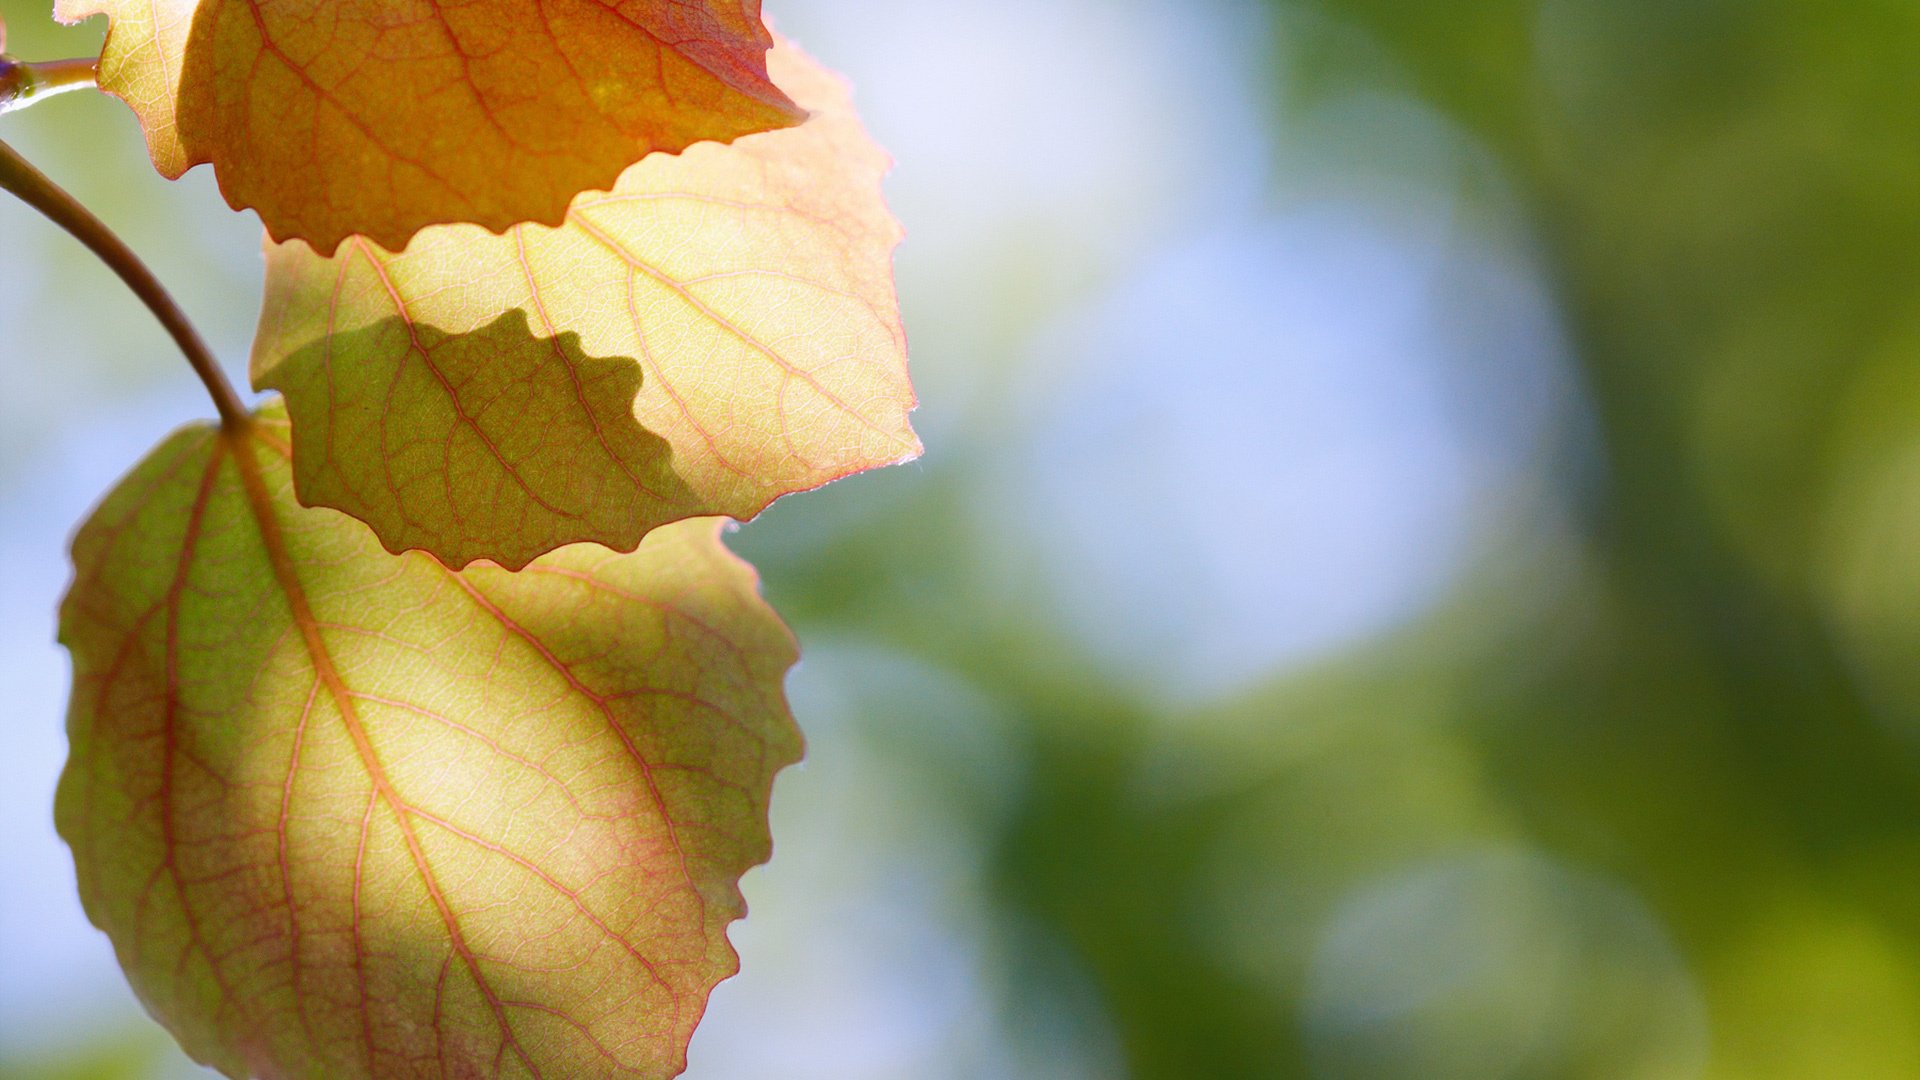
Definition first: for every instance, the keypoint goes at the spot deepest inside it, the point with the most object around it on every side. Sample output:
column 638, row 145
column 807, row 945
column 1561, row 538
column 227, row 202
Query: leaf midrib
column 242, row 444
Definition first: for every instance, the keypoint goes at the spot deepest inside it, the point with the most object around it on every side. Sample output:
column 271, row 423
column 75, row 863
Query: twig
column 32, row 186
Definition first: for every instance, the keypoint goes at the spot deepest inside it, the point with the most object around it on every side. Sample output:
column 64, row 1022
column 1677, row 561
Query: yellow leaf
column 751, row 284
column 356, row 816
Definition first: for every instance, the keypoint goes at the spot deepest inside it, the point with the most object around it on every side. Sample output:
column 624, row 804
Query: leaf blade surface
column 349, row 814
column 749, row 285
column 379, row 117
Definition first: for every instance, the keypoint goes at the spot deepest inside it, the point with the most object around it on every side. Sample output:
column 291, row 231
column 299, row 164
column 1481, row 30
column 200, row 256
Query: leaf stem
column 32, row 186
column 22, row 82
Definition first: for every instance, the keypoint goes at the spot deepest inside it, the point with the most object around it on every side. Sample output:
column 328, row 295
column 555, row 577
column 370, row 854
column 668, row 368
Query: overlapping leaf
column 493, row 444
column 752, row 284
column 378, row 117
column 347, row 814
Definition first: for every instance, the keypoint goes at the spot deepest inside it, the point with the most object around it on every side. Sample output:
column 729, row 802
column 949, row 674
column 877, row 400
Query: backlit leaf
column 752, row 284
column 347, row 814
column 378, row 117
column 492, row 444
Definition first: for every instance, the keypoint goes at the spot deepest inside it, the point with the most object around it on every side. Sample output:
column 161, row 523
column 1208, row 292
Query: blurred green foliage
column 1722, row 713
column 131, row 1055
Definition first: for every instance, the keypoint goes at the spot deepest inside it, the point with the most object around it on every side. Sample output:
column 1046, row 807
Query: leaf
column 493, row 444
column 347, row 814
column 378, row 117
column 752, row 284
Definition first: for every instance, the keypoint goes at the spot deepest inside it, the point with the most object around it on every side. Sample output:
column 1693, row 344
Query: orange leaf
column 352, row 815
column 379, row 117
column 746, row 289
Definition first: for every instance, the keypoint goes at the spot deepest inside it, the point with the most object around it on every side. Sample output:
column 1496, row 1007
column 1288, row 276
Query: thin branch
column 22, row 83
column 20, row 177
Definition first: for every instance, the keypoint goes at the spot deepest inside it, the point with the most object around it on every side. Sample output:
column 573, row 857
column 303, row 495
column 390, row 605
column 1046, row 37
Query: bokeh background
column 1416, row 572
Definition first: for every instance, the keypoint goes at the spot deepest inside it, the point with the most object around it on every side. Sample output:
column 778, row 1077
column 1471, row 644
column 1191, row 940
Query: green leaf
column 494, row 444
column 749, row 288
column 346, row 814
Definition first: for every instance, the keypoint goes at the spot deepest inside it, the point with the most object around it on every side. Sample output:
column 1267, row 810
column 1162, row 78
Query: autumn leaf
column 379, row 117
column 347, row 814
column 751, row 286
column 493, row 444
